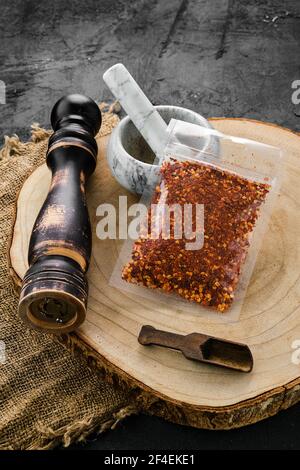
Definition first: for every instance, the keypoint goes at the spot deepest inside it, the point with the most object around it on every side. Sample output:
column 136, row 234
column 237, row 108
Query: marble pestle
column 140, row 110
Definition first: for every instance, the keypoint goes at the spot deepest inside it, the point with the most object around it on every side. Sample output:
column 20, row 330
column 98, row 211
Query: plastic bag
column 207, row 204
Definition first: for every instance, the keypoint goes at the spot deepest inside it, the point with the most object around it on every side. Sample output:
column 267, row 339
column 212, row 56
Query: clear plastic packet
column 202, row 218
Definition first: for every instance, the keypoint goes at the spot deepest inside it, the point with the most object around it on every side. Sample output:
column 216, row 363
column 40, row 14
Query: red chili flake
column 209, row 275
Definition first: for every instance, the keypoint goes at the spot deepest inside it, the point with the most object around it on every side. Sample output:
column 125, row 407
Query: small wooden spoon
column 202, row 348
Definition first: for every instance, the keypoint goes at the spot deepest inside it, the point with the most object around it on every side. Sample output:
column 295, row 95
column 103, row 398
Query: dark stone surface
column 145, row 432
column 220, row 58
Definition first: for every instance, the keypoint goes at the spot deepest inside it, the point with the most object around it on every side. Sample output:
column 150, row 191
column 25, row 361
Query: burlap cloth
column 47, row 396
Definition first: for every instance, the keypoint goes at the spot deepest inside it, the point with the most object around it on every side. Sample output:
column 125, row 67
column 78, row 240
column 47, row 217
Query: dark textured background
column 220, row 58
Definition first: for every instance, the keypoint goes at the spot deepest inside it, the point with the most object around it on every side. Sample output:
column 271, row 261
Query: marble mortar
column 129, row 156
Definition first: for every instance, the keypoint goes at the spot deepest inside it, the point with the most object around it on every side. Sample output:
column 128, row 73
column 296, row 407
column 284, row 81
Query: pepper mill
column 54, row 290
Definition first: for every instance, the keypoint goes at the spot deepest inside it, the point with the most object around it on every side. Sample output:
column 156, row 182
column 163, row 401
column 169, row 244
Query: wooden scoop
column 202, row 348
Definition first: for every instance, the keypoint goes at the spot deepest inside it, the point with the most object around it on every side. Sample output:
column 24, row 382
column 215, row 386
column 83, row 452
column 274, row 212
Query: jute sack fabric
column 48, row 397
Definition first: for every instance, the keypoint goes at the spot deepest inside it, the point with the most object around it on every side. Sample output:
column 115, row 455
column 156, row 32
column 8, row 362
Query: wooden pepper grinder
column 54, row 291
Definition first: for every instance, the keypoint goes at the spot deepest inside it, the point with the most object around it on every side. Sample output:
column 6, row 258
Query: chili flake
column 209, row 275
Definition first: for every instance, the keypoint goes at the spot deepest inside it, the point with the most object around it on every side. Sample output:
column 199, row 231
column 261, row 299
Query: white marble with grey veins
column 129, row 156
column 137, row 106
column 142, row 135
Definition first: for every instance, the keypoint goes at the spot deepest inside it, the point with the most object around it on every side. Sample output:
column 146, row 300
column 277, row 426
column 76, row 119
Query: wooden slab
column 166, row 383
